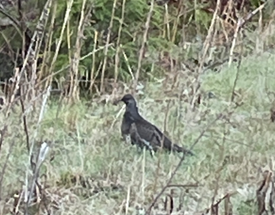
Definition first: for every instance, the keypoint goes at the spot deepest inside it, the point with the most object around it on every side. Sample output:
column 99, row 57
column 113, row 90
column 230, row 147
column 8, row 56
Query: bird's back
column 152, row 134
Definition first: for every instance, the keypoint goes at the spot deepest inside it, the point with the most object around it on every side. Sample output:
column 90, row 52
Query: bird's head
column 128, row 99
column 131, row 107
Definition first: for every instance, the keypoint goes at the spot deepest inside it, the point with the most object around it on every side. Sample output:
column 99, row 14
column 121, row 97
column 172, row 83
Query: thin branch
column 235, row 80
column 25, row 124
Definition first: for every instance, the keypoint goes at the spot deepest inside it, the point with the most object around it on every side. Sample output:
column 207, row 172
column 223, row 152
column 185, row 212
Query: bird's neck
column 133, row 111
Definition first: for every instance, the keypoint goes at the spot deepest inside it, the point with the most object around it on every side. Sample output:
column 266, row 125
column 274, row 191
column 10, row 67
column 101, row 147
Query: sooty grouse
column 138, row 131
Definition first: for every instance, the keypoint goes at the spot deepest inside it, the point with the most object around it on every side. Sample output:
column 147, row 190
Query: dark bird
column 138, row 131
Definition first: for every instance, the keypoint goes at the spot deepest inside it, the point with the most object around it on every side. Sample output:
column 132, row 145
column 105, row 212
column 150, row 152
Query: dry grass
column 91, row 170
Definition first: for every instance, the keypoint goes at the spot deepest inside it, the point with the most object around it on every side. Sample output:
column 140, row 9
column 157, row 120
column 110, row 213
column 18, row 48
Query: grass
column 92, row 171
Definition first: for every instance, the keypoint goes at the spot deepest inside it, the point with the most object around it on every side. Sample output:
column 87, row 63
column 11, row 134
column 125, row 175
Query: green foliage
column 135, row 16
column 169, row 26
column 202, row 19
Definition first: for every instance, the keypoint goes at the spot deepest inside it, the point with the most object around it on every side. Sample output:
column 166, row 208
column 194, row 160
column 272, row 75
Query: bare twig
column 25, row 124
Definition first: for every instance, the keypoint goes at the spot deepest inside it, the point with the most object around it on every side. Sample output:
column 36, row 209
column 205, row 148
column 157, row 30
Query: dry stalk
column 206, row 45
column 266, row 193
column 159, row 158
column 128, row 66
column 133, row 179
column 76, row 55
column 67, row 89
column 240, row 24
column 32, row 54
column 118, row 49
column 118, row 43
column 176, row 22
column 29, row 194
column 169, row 204
column 214, row 208
column 52, row 74
column 107, row 47
column 14, row 89
column 40, row 32
column 234, row 42
column 237, row 76
column 59, row 41
column 93, row 78
column 25, row 124
column 144, row 41
column 143, row 176
column 259, row 41
column 31, row 180
column 47, row 51
column 209, row 37
column 166, row 23
column 228, row 206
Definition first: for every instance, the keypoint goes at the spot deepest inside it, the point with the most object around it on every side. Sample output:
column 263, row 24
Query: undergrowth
column 90, row 170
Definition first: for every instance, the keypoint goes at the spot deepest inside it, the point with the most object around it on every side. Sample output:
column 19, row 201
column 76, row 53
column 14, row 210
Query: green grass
column 117, row 178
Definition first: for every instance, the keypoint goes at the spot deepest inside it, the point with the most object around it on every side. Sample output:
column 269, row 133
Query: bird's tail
column 178, row 148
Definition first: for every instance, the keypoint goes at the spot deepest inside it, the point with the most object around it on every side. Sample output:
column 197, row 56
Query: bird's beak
column 117, row 101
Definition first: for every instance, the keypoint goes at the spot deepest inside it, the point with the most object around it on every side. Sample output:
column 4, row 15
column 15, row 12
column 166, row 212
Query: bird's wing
column 156, row 138
column 137, row 139
column 151, row 134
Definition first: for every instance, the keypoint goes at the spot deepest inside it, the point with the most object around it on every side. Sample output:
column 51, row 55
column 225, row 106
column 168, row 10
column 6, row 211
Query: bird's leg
column 128, row 139
column 152, row 153
column 139, row 148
